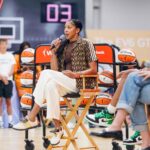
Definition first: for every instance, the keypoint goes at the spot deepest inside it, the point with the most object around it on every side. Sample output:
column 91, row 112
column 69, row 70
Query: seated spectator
column 105, row 117
column 132, row 101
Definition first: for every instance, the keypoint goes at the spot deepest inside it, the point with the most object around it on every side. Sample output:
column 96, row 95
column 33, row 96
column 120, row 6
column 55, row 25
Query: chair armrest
column 89, row 76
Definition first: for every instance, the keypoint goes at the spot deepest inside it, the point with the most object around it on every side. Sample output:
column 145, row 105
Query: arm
column 91, row 60
column 11, row 70
column 91, row 71
column 54, row 62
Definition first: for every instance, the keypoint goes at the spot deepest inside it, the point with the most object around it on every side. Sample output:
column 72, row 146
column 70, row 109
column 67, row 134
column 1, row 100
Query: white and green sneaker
column 134, row 139
column 103, row 118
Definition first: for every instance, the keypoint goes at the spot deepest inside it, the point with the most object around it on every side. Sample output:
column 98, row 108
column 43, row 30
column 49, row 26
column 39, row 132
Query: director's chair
column 43, row 56
column 73, row 109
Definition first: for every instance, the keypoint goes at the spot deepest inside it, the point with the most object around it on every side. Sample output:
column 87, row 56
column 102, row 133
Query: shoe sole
column 97, row 124
column 135, row 143
column 26, row 128
column 106, row 136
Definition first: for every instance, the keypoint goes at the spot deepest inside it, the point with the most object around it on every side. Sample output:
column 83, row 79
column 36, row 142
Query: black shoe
column 109, row 134
column 148, row 148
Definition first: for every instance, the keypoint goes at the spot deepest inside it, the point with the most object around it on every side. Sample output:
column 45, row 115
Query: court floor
column 14, row 140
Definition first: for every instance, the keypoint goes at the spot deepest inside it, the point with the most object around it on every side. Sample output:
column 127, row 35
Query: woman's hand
column 126, row 72
column 56, row 43
column 5, row 80
column 145, row 74
column 70, row 74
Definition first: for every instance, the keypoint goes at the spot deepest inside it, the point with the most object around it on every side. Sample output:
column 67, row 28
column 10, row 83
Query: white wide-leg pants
column 51, row 86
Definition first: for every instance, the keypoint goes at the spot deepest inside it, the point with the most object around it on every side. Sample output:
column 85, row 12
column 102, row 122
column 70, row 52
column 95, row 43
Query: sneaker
column 10, row 125
column 103, row 118
column 25, row 124
column 55, row 139
column 134, row 139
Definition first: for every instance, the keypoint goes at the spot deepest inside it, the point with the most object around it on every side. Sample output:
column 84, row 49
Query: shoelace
column 101, row 114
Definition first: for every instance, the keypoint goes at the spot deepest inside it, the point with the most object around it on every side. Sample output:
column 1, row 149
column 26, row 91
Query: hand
column 126, row 72
column 5, row 80
column 70, row 74
column 145, row 74
column 56, row 43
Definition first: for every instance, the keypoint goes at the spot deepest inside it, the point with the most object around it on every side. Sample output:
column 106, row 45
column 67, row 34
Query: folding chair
column 70, row 137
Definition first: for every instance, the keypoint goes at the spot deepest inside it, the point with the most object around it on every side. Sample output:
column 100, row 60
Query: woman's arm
column 91, row 71
column 54, row 62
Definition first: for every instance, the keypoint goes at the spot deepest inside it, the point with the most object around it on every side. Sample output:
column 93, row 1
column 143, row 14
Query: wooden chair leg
column 79, row 123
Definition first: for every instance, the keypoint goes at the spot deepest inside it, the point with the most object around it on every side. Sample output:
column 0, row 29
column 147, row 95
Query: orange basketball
column 27, row 78
column 62, row 102
column 85, row 100
column 103, row 99
column 26, row 100
column 106, row 77
column 126, row 55
column 27, row 56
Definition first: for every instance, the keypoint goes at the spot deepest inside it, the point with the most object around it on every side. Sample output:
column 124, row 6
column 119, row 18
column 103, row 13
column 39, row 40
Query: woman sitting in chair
column 78, row 58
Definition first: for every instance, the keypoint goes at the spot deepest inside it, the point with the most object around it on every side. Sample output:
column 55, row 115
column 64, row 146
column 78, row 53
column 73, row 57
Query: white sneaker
column 56, row 138
column 25, row 124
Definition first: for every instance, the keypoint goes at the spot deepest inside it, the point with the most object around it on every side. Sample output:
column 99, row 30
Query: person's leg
column 8, row 94
column 38, row 93
column 127, row 101
column 9, row 109
column 106, row 116
column 1, row 119
column 50, row 88
column 1, row 106
column 146, row 139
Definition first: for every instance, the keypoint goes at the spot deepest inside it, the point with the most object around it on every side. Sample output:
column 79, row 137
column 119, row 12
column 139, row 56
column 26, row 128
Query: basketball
column 62, row 102
column 27, row 56
column 26, row 78
column 26, row 100
column 103, row 99
column 85, row 100
column 126, row 55
column 106, row 77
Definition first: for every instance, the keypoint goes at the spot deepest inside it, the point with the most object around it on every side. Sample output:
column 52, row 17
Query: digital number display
column 52, row 13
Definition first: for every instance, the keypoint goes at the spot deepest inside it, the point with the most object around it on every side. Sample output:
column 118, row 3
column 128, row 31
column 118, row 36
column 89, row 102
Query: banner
column 138, row 41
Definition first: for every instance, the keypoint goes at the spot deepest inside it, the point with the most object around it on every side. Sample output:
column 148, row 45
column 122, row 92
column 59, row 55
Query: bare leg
column 57, row 124
column 0, row 106
column 118, row 121
column 35, row 110
column 148, row 114
column 145, row 138
column 9, row 107
column 116, row 96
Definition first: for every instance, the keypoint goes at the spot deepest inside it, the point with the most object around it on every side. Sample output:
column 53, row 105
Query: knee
column 43, row 72
column 134, row 77
column 51, row 85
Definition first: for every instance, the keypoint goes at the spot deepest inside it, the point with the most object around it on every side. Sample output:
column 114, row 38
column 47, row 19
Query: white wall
column 118, row 14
